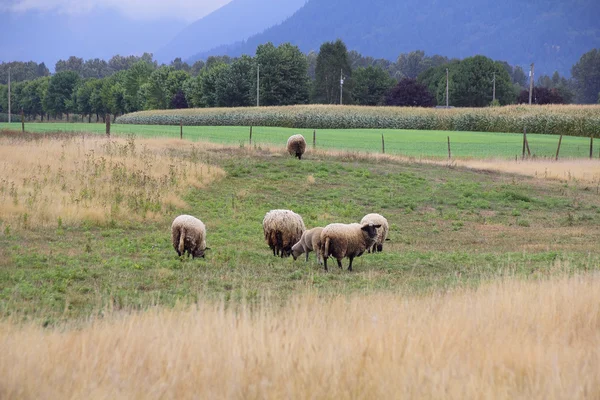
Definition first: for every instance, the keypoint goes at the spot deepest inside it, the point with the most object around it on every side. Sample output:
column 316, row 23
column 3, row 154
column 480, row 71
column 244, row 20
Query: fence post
column 558, row 148
column 180, row 129
column 314, row 138
column 382, row 144
column 524, row 143
column 107, row 119
column 250, row 135
column 592, row 146
column 22, row 121
column 449, row 152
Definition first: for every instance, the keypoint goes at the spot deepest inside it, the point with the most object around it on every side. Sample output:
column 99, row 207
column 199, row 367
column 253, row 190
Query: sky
column 185, row 10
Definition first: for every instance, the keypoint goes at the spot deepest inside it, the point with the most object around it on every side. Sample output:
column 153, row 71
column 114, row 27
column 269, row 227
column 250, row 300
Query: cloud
column 188, row 10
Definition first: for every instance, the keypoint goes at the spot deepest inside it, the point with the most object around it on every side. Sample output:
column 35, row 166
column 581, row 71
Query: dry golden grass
column 82, row 178
column 506, row 340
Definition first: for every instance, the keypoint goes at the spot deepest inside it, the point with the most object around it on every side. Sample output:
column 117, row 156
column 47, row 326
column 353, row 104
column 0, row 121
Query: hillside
column 233, row 22
column 553, row 34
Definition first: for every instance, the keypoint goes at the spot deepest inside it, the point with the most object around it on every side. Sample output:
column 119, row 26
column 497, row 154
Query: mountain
column 233, row 22
column 553, row 33
column 48, row 37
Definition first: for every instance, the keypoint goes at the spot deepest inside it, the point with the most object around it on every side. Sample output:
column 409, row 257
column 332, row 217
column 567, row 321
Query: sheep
column 296, row 146
column 282, row 229
column 347, row 240
column 381, row 232
column 310, row 240
column 189, row 234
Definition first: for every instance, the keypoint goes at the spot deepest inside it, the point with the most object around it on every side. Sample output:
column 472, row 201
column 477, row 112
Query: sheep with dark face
column 310, row 240
column 282, row 229
column 347, row 240
column 296, row 145
column 381, row 232
column 189, row 234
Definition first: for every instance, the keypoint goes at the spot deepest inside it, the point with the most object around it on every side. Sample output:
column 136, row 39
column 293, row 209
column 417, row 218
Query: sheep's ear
column 377, row 226
column 206, row 248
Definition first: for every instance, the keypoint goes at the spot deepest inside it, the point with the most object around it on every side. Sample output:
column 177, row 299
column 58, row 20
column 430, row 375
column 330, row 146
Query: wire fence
column 399, row 142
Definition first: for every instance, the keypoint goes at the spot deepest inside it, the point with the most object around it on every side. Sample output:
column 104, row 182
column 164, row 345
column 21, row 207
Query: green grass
column 448, row 227
column 414, row 143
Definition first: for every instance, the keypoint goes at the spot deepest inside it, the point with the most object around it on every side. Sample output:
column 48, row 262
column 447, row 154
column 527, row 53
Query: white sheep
column 189, row 234
column 296, row 145
column 381, row 232
column 282, row 229
column 347, row 240
column 310, row 240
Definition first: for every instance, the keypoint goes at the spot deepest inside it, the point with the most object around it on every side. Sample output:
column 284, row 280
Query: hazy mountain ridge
column 553, row 35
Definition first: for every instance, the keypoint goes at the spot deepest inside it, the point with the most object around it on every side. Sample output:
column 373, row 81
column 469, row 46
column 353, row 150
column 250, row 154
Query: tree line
column 286, row 76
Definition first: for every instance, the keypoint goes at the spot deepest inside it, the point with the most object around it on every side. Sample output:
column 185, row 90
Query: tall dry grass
column 506, row 340
column 65, row 180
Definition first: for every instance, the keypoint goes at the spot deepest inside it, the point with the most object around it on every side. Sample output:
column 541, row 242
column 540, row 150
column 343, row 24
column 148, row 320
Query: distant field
column 415, row 143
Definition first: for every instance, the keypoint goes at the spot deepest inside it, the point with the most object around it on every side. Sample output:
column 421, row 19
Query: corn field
column 570, row 120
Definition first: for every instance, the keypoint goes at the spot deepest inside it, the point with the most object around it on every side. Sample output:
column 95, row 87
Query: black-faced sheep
column 296, row 145
column 310, row 240
column 189, row 234
column 381, row 232
column 347, row 240
column 282, row 229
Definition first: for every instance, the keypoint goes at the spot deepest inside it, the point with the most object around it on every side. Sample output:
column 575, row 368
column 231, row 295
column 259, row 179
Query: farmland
column 413, row 143
column 477, row 249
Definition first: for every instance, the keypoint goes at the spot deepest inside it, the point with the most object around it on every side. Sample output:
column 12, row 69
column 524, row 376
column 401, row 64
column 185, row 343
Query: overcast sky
column 187, row 10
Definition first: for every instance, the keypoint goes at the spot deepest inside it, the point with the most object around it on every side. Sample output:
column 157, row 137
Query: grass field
column 472, row 290
column 414, row 143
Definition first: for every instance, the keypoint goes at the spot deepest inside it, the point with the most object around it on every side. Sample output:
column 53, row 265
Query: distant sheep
column 296, row 145
column 310, row 240
column 347, row 240
column 381, row 232
column 282, row 229
column 189, row 234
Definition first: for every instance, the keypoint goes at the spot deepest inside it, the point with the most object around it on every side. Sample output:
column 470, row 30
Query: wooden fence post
column 107, row 119
column 382, row 144
column 558, row 148
column 180, row 129
column 314, row 138
column 449, row 153
column 524, row 143
column 250, row 135
column 22, row 121
column 592, row 146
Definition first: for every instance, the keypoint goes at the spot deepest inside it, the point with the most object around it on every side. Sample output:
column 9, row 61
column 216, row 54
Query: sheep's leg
column 340, row 263
column 307, row 251
column 274, row 253
column 380, row 247
column 325, row 262
column 349, row 266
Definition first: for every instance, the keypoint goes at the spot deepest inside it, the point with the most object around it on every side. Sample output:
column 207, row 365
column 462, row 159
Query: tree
column 586, row 74
column 74, row 64
column 371, row 84
column 179, row 65
column 283, row 75
column 331, row 61
column 410, row 93
column 84, row 94
column 541, row 95
column 135, row 77
column 156, row 92
column 562, row 85
column 197, row 67
column 208, row 84
column 96, row 68
column 471, row 83
column 59, row 95
column 22, row 71
column 33, row 96
column 179, row 101
column 235, row 85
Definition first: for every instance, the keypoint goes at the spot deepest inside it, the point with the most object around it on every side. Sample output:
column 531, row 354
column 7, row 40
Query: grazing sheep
column 347, row 240
column 282, row 229
column 310, row 240
column 189, row 234
column 296, row 146
column 381, row 232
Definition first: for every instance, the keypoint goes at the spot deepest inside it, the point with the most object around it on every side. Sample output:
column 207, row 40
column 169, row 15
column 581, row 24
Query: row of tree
column 286, row 76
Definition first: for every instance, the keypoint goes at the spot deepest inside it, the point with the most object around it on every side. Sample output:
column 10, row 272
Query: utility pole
column 446, row 87
column 530, row 83
column 494, row 91
column 9, row 95
column 257, row 86
column 341, row 85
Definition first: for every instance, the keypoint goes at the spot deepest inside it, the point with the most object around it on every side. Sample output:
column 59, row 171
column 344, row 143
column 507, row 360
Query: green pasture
column 415, row 143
